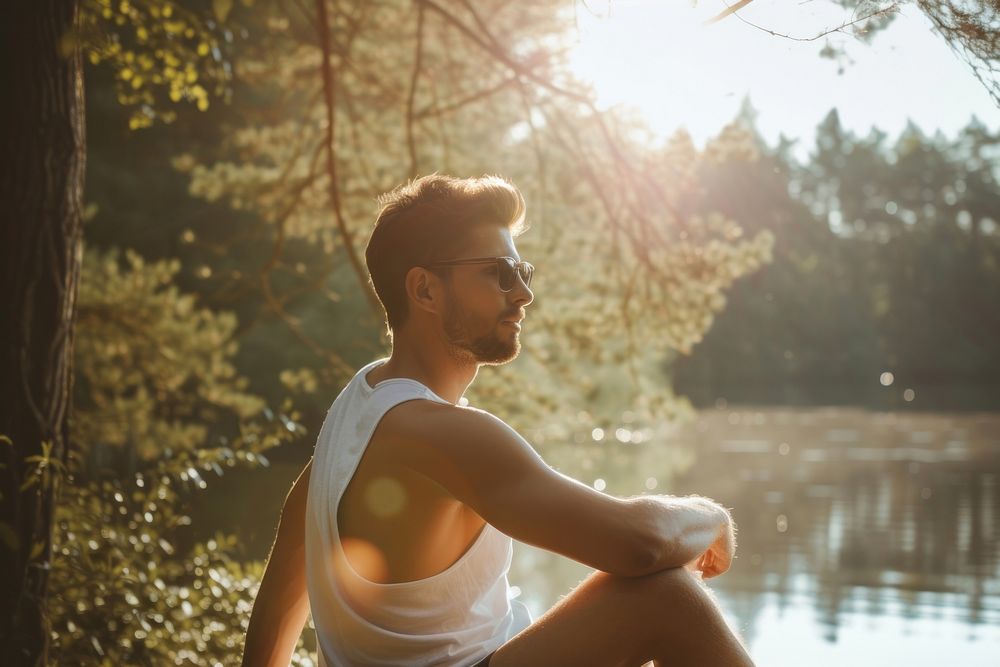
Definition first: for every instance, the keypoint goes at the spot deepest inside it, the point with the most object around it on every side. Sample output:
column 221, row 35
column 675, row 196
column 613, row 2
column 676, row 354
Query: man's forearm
column 282, row 603
column 279, row 613
column 682, row 528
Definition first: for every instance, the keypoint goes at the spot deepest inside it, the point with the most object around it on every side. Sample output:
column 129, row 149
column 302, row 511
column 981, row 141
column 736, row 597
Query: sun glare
column 660, row 59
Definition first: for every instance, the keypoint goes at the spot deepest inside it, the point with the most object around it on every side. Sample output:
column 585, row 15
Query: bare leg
column 668, row 617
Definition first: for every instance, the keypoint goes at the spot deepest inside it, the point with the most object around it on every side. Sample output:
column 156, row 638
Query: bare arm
column 488, row 466
column 282, row 604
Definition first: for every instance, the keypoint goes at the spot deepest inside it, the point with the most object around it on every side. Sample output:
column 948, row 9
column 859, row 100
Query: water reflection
column 855, row 527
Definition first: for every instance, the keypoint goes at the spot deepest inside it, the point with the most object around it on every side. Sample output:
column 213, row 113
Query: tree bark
column 42, row 148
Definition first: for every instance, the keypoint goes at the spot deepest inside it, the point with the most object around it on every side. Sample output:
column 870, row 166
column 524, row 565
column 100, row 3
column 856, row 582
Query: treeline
column 885, row 284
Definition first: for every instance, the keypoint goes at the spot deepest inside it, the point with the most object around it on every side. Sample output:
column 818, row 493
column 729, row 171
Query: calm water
column 865, row 538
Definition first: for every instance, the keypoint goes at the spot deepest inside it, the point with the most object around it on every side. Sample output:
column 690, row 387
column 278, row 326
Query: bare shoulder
column 441, row 422
column 466, row 450
column 425, row 427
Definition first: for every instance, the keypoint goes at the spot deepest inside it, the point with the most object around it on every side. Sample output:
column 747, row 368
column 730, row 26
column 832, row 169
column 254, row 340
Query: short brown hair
column 426, row 220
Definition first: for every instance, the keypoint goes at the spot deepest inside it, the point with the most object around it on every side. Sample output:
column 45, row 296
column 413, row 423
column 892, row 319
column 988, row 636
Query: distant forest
column 884, row 288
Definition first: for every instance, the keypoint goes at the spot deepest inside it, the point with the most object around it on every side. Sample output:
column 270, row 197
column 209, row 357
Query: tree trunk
column 42, row 149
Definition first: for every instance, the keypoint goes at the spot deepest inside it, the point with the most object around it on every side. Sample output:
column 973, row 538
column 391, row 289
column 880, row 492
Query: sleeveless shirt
column 453, row 618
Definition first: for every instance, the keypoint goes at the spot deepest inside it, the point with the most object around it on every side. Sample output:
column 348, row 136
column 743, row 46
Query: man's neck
column 435, row 368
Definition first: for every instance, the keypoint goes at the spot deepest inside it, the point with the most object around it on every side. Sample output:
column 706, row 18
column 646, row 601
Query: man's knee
column 666, row 608
column 672, row 580
column 672, row 593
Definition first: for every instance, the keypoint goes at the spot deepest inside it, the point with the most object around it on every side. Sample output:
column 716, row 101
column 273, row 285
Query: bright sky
column 654, row 55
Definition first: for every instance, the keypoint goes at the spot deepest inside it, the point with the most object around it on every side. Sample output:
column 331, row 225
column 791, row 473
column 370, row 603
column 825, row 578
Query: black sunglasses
column 508, row 269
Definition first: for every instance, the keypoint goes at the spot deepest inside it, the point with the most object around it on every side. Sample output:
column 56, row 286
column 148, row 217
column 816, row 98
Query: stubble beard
column 489, row 349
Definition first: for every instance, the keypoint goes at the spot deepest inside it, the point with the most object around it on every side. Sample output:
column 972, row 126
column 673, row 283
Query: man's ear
column 423, row 289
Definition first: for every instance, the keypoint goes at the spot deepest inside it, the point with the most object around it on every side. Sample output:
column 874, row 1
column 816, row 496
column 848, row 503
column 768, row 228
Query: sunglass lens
column 509, row 272
column 526, row 271
column 506, row 275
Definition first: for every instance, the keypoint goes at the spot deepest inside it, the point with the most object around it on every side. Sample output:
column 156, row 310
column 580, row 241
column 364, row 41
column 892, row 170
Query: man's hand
column 718, row 557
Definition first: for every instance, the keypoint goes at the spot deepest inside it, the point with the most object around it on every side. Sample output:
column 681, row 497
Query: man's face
column 476, row 317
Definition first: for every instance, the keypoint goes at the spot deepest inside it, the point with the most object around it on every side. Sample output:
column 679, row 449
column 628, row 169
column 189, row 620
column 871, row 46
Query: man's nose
column 522, row 293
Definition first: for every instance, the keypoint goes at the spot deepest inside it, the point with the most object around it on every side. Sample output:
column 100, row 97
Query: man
column 401, row 525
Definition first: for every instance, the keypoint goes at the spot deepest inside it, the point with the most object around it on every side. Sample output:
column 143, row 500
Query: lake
column 865, row 538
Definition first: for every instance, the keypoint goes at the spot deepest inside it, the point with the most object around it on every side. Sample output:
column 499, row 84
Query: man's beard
column 489, row 349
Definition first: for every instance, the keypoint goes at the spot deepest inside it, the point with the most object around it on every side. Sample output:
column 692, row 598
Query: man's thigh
column 608, row 621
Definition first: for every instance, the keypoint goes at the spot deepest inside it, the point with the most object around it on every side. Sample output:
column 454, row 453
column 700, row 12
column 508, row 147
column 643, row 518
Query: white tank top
column 454, row 618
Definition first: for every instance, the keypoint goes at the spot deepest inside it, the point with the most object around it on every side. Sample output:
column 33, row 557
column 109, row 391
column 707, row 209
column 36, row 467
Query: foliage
column 886, row 260
column 924, row 230
column 154, row 371
column 155, row 380
column 163, row 53
column 972, row 30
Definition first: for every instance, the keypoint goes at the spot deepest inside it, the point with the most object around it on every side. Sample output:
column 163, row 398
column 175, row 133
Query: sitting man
column 398, row 533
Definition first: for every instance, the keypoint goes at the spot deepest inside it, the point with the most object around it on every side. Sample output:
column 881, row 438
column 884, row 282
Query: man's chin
column 500, row 361
column 497, row 354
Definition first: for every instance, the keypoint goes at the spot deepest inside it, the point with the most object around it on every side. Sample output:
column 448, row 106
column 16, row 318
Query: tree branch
column 471, row 98
column 501, row 56
column 329, row 90
column 417, row 62
column 727, row 11
column 734, row 8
